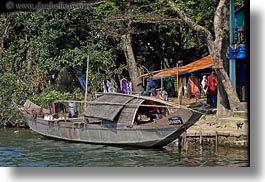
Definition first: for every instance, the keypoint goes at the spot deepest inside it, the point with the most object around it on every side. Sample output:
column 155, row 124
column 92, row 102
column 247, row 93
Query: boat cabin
column 114, row 111
column 121, row 110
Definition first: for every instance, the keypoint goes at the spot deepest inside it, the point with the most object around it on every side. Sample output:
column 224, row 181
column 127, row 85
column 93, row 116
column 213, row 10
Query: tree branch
column 200, row 29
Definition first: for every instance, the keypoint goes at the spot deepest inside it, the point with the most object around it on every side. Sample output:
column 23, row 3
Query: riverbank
column 227, row 131
column 232, row 131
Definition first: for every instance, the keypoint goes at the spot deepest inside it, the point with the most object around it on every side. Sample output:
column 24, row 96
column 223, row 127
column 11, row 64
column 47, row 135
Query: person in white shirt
column 203, row 82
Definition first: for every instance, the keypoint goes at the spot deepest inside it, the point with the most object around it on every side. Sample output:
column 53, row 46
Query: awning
column 200, row 64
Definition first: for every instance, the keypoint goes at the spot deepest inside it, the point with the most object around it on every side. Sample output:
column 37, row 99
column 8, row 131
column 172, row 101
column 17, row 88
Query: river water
column 25, row 148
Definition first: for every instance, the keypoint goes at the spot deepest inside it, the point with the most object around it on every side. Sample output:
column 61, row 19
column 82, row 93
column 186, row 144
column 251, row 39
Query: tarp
column 203, row 63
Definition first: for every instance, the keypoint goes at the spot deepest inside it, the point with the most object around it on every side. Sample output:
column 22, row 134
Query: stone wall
column 230, row 131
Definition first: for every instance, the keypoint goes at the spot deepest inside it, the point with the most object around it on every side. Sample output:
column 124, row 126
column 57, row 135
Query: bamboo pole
column 118, row 104
column 178, row 80
column 130, row 105
column 161, row 83
column 200, row 138
column 152, row 72
column 76, row 101
column 216, row 140
column 87, row 64
column 154, row 99
column 185, row 144
column 180, row 94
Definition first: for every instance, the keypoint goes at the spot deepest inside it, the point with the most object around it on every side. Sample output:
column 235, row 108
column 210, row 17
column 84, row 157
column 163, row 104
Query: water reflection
column 26, row 148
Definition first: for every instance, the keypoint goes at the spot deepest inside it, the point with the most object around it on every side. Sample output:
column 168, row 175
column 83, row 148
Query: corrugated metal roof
column 106, row 107
column 128, row 113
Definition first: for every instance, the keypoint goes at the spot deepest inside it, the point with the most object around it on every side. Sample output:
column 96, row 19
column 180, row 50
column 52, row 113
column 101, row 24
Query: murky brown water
column 25, row 148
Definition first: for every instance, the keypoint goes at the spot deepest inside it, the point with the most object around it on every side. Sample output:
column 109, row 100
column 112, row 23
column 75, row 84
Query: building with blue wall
column 238, row 53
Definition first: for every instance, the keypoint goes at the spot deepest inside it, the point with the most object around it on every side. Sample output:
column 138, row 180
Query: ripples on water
column 25, row 148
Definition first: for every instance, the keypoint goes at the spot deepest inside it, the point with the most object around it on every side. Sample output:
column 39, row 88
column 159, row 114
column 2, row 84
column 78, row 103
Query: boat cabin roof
column 118, row 108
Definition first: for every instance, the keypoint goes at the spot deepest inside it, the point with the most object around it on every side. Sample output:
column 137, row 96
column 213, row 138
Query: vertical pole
column 185, row 140
column 161, row 83
column 232, row 65
column 178, row 81
column 200, row 138
column 180, row 144
column 87, row 64
column 180, row 93
column 216, row 140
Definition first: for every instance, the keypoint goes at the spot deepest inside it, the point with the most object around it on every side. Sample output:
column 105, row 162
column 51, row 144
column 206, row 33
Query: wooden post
column 87, row 64
column 161, row 83
column 216, row 140
column 178, row 80
column 180, row 94
column 179, row 63
column 185, row 140
column 200, row 138
column 180, row 142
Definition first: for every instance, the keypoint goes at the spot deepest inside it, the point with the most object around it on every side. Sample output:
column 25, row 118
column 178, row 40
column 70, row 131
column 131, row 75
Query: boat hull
column 122, row 127
column 153, row 137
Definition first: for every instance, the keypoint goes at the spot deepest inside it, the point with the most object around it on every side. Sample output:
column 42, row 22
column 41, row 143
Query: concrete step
column 236, row 119
column 240, row 114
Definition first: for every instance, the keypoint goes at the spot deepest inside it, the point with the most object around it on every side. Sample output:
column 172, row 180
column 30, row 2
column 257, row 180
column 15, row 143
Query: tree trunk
column 228, row 99
column 130, row 60
column 227, row 96
column 230, row 93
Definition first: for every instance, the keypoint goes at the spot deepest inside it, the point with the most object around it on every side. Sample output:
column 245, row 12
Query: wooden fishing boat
column 114, row 119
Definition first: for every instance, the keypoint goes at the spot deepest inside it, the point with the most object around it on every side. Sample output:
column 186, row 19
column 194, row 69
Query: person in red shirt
column 155, row 94
column 211, row 87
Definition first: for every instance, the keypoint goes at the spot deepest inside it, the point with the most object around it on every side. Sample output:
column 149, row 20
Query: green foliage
column 49, row 96
column 200, row 11
column 239, row 3
column 12, row 89
column 39, row 43
column 36, row 44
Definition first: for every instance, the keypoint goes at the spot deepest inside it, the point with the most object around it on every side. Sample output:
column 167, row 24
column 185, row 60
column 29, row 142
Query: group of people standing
column 195, row 88
column 111, row 86
column 126, row 85
column 207, row 87
column 151, row 88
